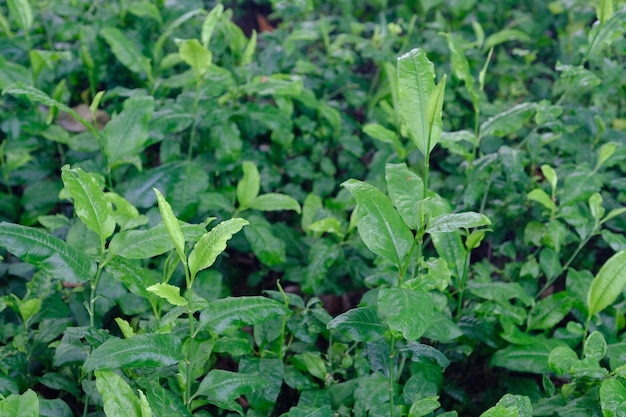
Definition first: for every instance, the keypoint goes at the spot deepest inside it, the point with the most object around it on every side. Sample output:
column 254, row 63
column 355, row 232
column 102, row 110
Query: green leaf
column 308, row 411
column 47, row 253
column 90, row 204
column 359, row 324
column 25, row 405
column 595, row 206
column 172, row 226
column 378, row 354
column 141, row 351
column 416, row 82
column 461, row 68
column 595, row 346
column 550, row 311
column 527, row 358
column 505, row 35
column 144, row 244
column 562, row 359
column 274, row 202
column 208, row 26
column 498, row 291
column 550, row 174
column 608, row 284
column 447, row 223
column 542, row 198
column 424, row 406
column 196, row 56
column 385, row 135
column 125, row 136
column 312, row 362
column 612, row 398
column 268, row 248
column 239, row 311
column 409, row 312
column 118, row 397
column 249, row 185
column 222, row 388
column 509, row 121
column 125, row 51
column 405, row 188
column 21, row 11
column 144, row 8
column 422, row 353
column 206, row 251
column 21, row 89
column 606, row 151
column 603, row 35
column 169, row 292
column 604, row 10
column 382, row 229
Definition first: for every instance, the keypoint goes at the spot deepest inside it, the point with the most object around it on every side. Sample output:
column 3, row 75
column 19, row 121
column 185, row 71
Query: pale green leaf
column 543, row 198
column 505, row 35
column 550, row 174
column 22, row 12
column 172, row 226
column 118, row 397
column 608, row 284
column 249, row 185
column 25, row 405
column 213, row 243
column 208, row 26
column 606, row 151
column 406, row 311
column 379, row 224
column 222, row 388
column 170, row 292
column 196, row 56
column 47, row 253
column 145, row 8
column 90, row 204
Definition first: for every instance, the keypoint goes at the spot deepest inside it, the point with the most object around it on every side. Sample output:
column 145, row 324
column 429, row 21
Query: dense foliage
column 308, row 208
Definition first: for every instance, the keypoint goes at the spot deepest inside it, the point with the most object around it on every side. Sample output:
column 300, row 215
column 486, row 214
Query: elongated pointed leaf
column 409, row 312
column 172, row 226
column 125, row 51
column 608, row 283
column 434, row 112
column 47, row 253
column 461, row 67
column 527, row 358
column 22, row 12
column 125, row 136
column 549, row 312
column 141, row 351
column 213, row 243
column 450, row 247
column 21, row 89
column 274, row 202
column 543, row 198
column 239, row 311
column 359, row 324
column 90, row 204
column 196, row 56
column 416, row 82
column 118, row 397
column 509, row 121
column 406, row 189
column 505, row 35
column 222, row 388
column 379, row 224
column 447, row 223
column 249, row 185
column 169, row 292
column 208, row 26
column 144, row 244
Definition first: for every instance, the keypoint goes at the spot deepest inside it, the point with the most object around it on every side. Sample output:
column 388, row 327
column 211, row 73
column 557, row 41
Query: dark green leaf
column 239, row 311
column 406, row 189
column 409, row 312
column 359, row 324
column 144, row 350
column 527, row 358
column 126, row 51
column 47, row 253
column 223, row 387
column 549, row 311
column 270, row 250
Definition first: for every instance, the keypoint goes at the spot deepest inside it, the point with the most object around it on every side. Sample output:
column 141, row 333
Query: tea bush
column 306, row 208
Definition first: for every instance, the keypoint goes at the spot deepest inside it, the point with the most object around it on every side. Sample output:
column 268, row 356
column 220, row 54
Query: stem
column 189, row 361
column 390, row 380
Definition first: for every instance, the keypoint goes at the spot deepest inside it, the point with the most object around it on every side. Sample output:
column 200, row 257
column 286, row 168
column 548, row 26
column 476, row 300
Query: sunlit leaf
column 118, row 397
column 408, row 312
column 239, row 311
column 249, row 185
column 169, row 292
column 360, row 324
column 206, row 251
column 608, row 283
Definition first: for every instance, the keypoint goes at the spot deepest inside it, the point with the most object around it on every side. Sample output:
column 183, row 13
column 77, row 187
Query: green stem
column 189, row 369
column 390, row 379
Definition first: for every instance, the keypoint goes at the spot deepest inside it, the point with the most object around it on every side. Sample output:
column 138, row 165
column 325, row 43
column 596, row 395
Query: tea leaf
column 274, row 202
column 90, row 203
column 595, row 346
column 47, row 253
column 447, row 223
column 126, row 51
column 196, row 56
column 508, row 121
column 379, row 224
column 359, row 324
column 25, row 405
column 416, row 82
column 22, row 12
column 268, row 248
column 505, row 35
column 239, row 311
column 172, row 226
column 461, row 67
column 608, row 284
column 213, row 243
column 222, row 388
column 169, row 292
column 424, row 406
column 409, row 312
column 612, row 397
column 118, row 397
column 249, row 185
column 549, row 311
column 208, row 26
column 543, row 198
column 405, row 188
column 149, row 350
column 126, row 135
column 527, row 358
